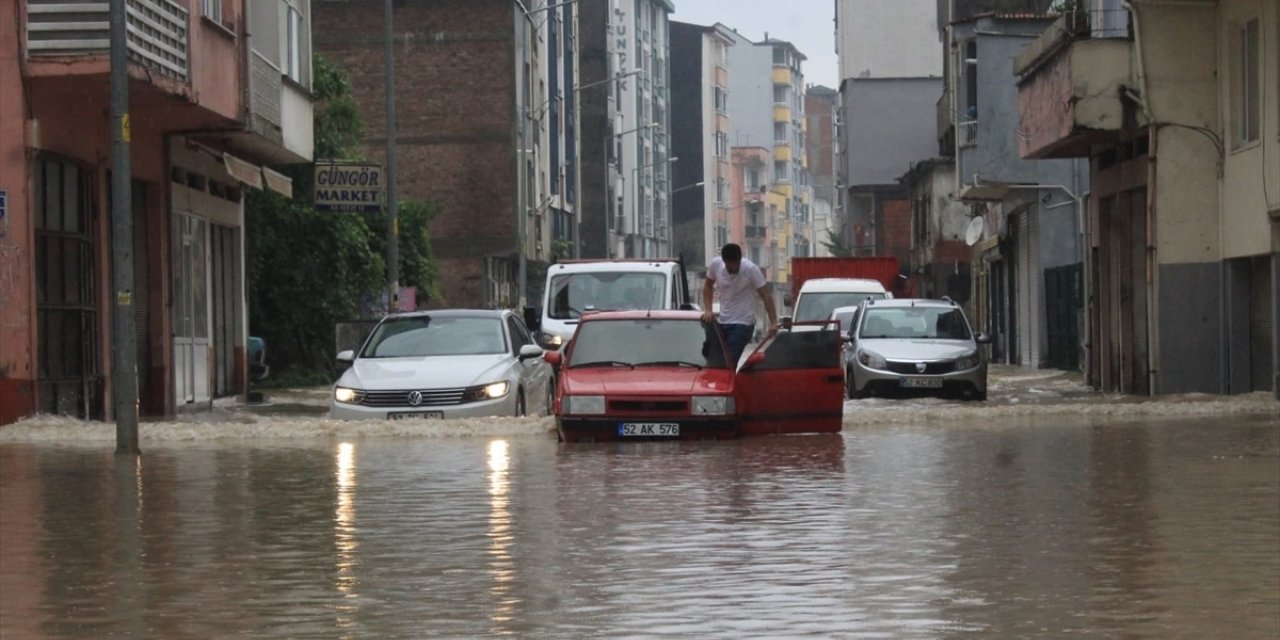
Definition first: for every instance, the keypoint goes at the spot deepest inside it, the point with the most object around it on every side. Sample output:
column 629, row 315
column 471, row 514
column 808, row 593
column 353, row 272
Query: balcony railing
column 156, row 31
column 755, row 232
column 265, row 89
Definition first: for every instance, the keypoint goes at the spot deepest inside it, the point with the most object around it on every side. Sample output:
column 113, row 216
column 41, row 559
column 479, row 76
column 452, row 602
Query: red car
column 665, row 374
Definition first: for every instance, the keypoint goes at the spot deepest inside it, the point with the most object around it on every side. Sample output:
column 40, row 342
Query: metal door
column 797, row 388
column 190, row 309
column 1063, row 290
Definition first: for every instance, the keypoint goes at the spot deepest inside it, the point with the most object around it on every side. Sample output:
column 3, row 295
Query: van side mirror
column 348, row 356
column 982, row 338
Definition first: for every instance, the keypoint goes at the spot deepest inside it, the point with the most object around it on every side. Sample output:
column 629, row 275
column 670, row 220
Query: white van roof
column 823, row 285
column 656, row 266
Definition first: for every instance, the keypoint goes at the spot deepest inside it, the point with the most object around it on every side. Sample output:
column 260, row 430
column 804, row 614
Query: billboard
column 348, row 186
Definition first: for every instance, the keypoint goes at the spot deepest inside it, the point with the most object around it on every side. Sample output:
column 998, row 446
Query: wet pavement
column 1048, row 511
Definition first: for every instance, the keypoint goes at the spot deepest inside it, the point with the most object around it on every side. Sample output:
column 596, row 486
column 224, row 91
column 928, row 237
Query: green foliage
column 305, row 270
column 835, row 244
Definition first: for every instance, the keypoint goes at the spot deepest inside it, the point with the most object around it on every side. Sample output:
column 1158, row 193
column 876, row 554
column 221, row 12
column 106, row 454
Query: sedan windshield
column 418, row 336
column 573, row 293
column 819, row 305
column 648, row 342
column 939, row 323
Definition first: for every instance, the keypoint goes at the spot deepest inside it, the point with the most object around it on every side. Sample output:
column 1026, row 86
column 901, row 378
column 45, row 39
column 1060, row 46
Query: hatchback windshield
column 940, row 323
column 573, row 293
column 418, row 336
column 648, row 341
column 819, row 305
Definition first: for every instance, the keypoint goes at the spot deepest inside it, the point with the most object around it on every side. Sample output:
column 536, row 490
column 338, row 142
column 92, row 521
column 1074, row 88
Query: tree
column 307, row 271
column 835, row 244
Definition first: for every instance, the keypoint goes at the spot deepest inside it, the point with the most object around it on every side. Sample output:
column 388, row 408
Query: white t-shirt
column 737, row 290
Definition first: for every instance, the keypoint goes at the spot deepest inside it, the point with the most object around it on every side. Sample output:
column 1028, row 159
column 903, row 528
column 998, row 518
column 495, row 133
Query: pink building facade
column 209, row 107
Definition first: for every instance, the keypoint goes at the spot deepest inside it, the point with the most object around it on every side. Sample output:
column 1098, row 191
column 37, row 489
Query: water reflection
column 501, row 565
column 1029, row 529
column 345, row 536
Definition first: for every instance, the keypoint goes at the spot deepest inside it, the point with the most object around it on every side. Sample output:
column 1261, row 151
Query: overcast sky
column 808, row 24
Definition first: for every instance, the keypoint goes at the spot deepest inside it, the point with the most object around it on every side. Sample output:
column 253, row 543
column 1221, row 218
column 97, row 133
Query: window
column 780, row 171
column 779, row 132
column 722, row 145
column 753, row 179
column 722, row 191
column 722, row 100
column 293, row 44
column 779, row 94
column 779, row 55
column 212, row 9
column 1248, row 80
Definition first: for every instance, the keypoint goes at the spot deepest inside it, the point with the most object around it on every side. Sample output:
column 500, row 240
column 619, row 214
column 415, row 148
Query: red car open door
column 792, row 383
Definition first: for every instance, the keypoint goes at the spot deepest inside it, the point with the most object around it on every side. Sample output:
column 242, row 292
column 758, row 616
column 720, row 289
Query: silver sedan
column 915, row 346
column 444, row 364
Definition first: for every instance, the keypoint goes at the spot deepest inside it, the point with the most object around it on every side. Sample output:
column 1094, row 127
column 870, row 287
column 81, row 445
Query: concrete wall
column 888, row 39
column 750, row 94
column 1251, row 172
column 994, row 155
column 882, row 126
column 17, row 277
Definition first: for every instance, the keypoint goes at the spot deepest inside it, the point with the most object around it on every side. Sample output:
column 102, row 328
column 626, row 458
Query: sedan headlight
column 968, row 362
column 487, row 391
column 348, row 396
column 583, row 404
column 872, row 360
column 712, row 405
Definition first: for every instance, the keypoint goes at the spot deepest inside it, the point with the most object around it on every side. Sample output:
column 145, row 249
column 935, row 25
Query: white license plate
column 921, row 383
column 648, row 429
column 416, row 415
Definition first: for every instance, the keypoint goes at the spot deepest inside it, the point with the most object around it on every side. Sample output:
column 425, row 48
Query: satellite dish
column 973, row 231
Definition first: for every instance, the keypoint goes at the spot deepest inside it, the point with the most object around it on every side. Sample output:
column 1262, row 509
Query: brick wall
column 895, row 230
column 455, row 83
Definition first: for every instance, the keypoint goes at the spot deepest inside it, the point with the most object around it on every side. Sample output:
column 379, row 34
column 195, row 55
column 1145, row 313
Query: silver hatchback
column 911, row 346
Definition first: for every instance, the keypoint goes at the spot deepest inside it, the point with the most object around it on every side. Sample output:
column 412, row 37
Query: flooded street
column 1046, row 512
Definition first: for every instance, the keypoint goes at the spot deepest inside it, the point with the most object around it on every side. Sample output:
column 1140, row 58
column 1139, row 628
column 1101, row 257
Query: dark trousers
column 737, row 335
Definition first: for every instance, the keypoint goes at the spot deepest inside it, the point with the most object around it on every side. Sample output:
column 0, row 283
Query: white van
column 578, row 286
column 818, row 297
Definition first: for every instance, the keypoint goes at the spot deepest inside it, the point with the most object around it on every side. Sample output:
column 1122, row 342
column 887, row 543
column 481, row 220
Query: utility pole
column 393, row 222
column 124, row 351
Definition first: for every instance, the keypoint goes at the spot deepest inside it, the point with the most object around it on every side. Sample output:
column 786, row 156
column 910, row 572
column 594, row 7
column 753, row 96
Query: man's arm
column 767, row 297
column 708, row 289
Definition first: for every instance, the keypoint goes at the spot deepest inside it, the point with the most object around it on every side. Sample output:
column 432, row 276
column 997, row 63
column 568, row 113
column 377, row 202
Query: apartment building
column 476, row 110
column 218, row 90
column 702, row 215
column 891, row 80
column 1177, row 108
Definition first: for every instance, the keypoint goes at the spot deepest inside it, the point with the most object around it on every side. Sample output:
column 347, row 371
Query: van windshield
column 818, row 305
column 574, row 293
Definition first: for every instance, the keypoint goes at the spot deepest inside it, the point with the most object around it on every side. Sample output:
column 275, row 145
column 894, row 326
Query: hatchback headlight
column 968, row 362
column 348, row 396
column 487, row 391
column 583, row 404
column 872, row 360
column 712, row 405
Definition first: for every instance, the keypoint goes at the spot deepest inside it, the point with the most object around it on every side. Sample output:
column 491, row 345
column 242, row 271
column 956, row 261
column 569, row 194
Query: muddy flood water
column 1048, row 512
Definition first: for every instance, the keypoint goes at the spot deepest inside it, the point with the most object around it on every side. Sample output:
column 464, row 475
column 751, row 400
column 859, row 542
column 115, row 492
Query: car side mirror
column 753, row 360
column 530, row 351
column 348, row 356
column 553, row 358
column 982, row 338
column 785, row 322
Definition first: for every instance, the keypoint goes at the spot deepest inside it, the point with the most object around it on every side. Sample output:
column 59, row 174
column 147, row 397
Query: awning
column 278, row 182
column 247, row 172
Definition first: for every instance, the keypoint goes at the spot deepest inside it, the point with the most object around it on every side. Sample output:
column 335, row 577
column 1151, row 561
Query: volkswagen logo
column 415, row 398
column 920, row 367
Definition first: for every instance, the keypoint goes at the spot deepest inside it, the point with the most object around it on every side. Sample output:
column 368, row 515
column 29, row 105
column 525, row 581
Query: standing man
column 739, row 281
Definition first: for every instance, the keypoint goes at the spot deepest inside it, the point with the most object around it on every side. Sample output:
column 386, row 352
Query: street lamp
column 636, row 188
column 688, row 186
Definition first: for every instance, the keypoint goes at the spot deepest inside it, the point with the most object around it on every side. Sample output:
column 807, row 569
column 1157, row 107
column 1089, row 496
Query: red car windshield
column 648, row 342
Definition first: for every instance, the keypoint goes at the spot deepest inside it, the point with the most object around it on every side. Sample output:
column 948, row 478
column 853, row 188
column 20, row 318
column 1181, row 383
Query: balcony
column 755, row 232
column 1069, row 89
column 782, row 75
column 156, row 37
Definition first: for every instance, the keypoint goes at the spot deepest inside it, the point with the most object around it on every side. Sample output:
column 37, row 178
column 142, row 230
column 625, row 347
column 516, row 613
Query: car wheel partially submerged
column 520, row 409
